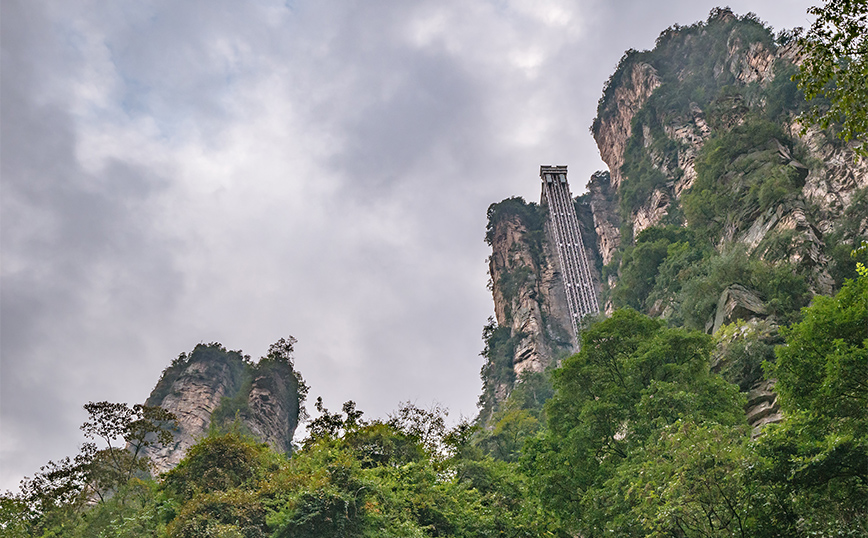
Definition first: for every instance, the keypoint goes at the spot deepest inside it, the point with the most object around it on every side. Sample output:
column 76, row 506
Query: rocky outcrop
column 529, row 295
column 796, row 226
column 192, row 388
column 604, row 211
column 736, row 302
column 614, row 127
column 792, row 197
column 740, row 350
column 690, row 133
column 831, row 185
column 651, row 212
column 273, row 405
column 751, row 63
column 210, row 385
column 762, row 407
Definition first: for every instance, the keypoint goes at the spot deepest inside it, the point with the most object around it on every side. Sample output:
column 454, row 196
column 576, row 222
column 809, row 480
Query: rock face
column 736, row 302
column 533, row 329
column 529, row 295
column 749, row 72
column 762, row 407
column 604, row 211
column 652, row 140
column 212, row 387
column 831, row 181
column 614, row 125
column 272, row 412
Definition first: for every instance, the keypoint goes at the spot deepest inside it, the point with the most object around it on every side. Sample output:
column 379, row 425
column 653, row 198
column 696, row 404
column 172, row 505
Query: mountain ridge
column 718, row 207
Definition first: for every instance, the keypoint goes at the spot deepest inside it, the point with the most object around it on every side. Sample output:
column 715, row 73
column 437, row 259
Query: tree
column 333, row 425
column 140, row 427
column 59, row 492
column 427, row 426
column 818, row 457
column 214, row 488
column 51, row 499
column 506, row 438
column 216, row 463
column 281, row 352
column 834, row 74
column 614, row 407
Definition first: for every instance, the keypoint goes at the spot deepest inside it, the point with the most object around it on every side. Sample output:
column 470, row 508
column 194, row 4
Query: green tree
column 834, row 73
column 506, row 438
column 217, row 463
column 139, row 427
column 818, row 457
column 333, row 425
column 689, row 481
column 55, row 498
column 614, row 401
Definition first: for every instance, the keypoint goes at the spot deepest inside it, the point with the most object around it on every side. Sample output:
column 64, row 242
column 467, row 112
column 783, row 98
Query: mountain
column 213, row 388
column 720, row 209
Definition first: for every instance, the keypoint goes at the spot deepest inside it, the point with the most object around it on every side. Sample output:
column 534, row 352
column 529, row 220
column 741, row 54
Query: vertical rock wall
column 614, row 125
column 529, row 295
column 263, row 398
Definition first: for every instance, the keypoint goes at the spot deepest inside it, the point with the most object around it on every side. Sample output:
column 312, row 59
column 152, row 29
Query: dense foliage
column 407, row 476
column 835, row 68
column 740, row 174
column 634, row 390
column 643, row 440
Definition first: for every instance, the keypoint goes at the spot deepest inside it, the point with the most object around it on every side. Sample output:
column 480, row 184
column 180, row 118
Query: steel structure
column 581, row 295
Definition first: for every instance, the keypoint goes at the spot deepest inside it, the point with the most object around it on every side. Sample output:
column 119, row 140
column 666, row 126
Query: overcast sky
column 176, row 172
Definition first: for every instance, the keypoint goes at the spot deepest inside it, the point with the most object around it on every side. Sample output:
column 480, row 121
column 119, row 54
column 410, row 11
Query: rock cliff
column 622, row 99
column 531, row 330
column 212, row 388
column 529, row 295
column 703, row 132
column 719, row 206
column 661, row 107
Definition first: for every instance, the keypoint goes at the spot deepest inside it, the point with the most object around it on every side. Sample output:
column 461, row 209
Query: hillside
column 716, row 207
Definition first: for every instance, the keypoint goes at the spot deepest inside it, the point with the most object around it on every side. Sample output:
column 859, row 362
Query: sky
column 176, row 172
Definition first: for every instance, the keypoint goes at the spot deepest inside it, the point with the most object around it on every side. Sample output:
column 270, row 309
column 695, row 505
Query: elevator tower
column 581, row 295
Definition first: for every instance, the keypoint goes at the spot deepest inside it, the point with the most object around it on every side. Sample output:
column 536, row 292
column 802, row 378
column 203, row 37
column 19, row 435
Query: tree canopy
column 834, row 73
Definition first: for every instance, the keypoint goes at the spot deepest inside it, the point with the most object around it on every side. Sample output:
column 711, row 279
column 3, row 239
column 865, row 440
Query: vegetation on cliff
column 521, row 280
column 263, row 398
column 642, row 439
column 716, row 155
